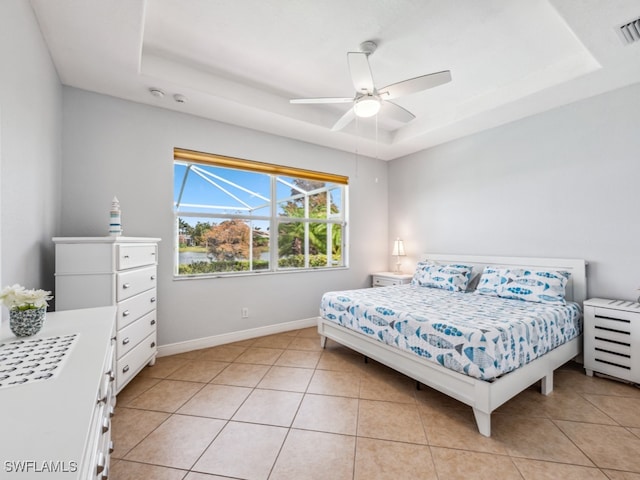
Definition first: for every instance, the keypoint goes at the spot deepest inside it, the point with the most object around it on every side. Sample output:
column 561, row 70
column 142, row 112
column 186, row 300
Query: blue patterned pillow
column 453, row 278
column 537, row 286
column 494, row 277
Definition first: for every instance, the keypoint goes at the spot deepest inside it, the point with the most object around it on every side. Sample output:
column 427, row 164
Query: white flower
column 18, row 297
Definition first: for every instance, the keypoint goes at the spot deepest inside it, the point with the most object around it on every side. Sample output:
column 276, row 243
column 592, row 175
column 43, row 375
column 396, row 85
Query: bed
column 426, row 333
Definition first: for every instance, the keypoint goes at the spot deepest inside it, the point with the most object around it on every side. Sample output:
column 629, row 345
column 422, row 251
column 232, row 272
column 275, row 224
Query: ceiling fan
column 369, row 100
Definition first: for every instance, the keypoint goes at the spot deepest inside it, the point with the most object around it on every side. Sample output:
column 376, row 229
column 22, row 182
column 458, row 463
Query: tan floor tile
column 299, row 358
column 562, row 404
column 618, row 475
column 243, row 450
column 216, row 401
column 273, row 341
column 124, row 470
column 190, row 355
column 178, row 442
column 286, row 378
column 306, row 343
column 516, row 433
column 270, row 407
column 635, row 431
column 315, row 455
column 390, row 421
column 223, row 353
column 528, row 403
column 309, row 332
column 574, row 379
column 463, row 465
column 166, row 395
column 538, row 470
column 130, row 426
column 241, row 375
column 328, row 414
column 328, row 382
column 203, row 476
column 606, row 445
column 624, row 410
column 382, row 459
column 428, row 398
column 198, row 371
column 457, row 428
column 135, row 388
column 260, row 356
column 163, row 367
column 341, row 361
column 390, row 388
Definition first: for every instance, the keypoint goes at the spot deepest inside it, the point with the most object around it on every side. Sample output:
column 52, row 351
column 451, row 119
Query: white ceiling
column 240, row 61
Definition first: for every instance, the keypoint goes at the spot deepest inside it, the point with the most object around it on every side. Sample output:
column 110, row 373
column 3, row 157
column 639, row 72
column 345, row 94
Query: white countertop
column 49, row 420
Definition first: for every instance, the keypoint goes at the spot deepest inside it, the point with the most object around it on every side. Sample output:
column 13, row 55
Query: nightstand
column 384, row 279
column 612, row 338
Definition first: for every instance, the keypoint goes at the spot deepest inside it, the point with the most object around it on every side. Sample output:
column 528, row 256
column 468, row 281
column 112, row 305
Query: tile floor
column 279, row 407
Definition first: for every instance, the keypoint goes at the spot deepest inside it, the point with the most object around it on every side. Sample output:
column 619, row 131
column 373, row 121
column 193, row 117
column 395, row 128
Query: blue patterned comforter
column 478, row 335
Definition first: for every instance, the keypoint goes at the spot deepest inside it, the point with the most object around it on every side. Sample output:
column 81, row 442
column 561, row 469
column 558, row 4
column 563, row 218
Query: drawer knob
column 111, row 446
column 105, row 425
column 125, row 369
column 153, row 277
column 126, row 313
column 153, row 299
column 100, row 464
column 112, row 412
column 126, row 285
column 152, row 322
column 153, row 344
column 126, row 256
column 125, row 341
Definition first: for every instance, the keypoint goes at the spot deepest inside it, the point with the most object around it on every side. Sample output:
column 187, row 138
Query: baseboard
column 215, row 340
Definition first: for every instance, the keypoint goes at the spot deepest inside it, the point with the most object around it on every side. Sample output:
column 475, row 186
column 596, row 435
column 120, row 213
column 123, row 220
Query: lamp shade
column 398, row 248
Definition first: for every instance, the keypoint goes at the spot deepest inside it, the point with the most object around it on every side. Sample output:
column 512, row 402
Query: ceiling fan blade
column 344, row 120
column 360, row 72
column 396, row 112
column 322, row 100
column 413, row 85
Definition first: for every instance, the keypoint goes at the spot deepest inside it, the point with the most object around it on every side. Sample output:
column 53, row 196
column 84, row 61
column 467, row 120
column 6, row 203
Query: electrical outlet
column 245, row 312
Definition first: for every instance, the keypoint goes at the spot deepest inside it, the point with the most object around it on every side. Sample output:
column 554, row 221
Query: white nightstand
column 384, row 279
column 612, row 338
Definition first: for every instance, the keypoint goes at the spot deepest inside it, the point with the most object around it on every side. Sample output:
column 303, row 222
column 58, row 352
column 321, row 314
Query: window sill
column 180, row 278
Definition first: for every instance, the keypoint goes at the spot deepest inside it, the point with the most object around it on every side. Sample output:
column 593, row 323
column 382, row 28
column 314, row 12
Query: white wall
column 30, row 129
column 565, row 183
column 115, row 147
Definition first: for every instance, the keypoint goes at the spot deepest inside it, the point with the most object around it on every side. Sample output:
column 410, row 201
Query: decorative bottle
column 115, row 222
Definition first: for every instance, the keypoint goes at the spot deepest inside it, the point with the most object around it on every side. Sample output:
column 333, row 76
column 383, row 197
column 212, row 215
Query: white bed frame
column 483, row 396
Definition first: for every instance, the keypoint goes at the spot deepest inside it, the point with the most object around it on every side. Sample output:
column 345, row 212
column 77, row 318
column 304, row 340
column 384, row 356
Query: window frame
column 275, row 174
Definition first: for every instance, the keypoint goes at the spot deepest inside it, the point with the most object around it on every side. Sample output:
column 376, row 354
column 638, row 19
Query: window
column 234, row 216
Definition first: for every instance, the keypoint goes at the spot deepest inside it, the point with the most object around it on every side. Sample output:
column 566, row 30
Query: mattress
column 478, row 335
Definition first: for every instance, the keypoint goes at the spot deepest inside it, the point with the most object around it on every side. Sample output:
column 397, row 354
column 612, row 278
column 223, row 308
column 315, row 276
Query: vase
column 24, row 323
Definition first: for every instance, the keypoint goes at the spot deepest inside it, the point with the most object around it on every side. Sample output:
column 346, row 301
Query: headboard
column 576, row 289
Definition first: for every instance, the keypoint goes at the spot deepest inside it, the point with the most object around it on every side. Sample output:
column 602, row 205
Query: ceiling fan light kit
column 366, row 106
column 368, row 99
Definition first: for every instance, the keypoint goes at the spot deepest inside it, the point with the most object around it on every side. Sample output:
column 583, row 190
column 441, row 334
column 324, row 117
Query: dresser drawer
column 135, row 332
column 135, row 360
column 132, row 256
column 134, row 282
column 135, row 307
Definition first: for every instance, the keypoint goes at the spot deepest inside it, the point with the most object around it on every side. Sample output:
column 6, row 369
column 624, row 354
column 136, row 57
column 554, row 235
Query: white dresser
column 114, row 270
column 612, row 338
column 60, row 427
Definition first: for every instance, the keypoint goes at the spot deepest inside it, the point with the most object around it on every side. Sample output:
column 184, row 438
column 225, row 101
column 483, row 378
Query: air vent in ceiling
column 630, row 32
